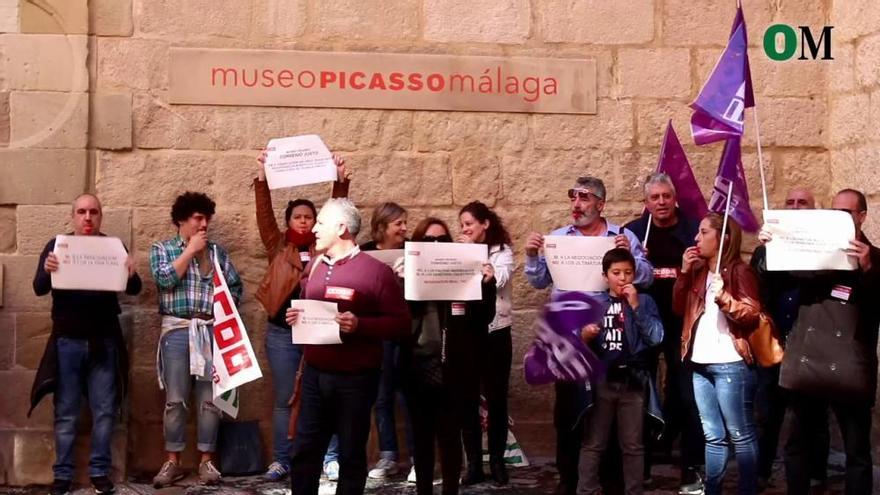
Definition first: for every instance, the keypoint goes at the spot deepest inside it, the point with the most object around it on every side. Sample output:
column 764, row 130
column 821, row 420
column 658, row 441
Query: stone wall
column 84, row 107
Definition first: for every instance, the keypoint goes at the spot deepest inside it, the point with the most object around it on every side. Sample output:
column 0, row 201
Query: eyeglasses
column 581, row 194
column 437, row 238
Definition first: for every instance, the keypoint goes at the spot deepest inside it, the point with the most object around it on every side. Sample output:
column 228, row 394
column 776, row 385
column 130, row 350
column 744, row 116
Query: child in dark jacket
column 630, row 326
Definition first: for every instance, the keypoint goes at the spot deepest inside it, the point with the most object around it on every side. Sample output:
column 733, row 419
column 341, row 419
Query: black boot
column 499, row 471
column 474, row 474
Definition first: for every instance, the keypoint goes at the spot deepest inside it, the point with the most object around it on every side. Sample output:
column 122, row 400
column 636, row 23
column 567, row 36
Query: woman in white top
column 720, row 310
column 480, row 224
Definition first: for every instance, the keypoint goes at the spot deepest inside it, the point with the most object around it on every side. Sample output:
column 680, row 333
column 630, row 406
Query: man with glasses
column 831, row 356
column 587, row 199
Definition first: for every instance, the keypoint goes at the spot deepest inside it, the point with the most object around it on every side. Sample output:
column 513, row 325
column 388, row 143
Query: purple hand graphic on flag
column 730, row 169
column 720, row 107
column 674, row 163
column 558, row 354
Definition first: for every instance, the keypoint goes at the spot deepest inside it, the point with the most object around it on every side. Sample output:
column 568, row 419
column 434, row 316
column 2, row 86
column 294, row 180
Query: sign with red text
column 382, row 80
column 234, row 360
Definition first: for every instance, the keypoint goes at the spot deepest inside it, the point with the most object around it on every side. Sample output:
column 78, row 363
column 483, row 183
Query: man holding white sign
column 587, row 199
column 85, row 354
column 184, row 270
column 340, row 381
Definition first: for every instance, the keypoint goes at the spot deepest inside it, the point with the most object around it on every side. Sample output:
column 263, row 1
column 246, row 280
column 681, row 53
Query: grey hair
column 83, row 195
column 351, row 217
column 655, row 178
column 592, row 184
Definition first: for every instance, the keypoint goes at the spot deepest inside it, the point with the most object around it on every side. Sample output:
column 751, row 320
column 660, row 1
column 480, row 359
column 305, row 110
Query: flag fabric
column 730, row 170
column 719, row 109
column 558, row 354
column 674, row 163
column 233, row 357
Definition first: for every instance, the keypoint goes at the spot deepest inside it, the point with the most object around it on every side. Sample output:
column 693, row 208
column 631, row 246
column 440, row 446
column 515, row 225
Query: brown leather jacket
column 285, row 266
column 739, row 301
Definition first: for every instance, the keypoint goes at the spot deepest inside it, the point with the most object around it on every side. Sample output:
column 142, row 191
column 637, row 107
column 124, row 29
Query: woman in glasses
column 288, row 252
column 479, row 224
column 388, row 230
column 440, row 363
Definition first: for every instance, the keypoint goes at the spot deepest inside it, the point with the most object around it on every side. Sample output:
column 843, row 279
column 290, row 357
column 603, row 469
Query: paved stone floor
column 537, row 479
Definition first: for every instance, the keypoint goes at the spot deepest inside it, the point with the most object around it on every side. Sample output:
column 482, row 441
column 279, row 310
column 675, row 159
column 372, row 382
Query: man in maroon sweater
column 340, row 381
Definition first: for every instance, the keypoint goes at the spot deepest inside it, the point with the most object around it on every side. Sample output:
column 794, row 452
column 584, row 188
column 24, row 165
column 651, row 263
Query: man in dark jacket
column 831, row 356
column 670, row 233
column 85, row 354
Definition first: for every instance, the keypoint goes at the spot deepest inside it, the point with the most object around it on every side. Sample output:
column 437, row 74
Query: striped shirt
column 193, row 294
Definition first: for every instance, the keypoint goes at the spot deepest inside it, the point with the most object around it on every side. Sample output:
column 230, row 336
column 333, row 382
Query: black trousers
column 680, row 409
column 808, row 414
column 436, row 413
column 494, row 372
column 333, row 403
column 568, row 435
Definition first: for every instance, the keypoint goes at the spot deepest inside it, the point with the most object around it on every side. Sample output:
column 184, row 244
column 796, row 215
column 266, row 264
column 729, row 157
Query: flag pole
column 648, row 230
column 724, row 227
column 760, row 156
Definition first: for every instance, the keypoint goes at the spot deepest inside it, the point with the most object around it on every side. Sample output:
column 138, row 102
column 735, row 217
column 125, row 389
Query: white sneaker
column 331, row 470
column 384, row 468
column 411, row 477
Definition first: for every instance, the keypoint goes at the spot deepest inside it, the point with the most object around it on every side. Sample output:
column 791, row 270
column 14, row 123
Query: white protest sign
column 443, row 271
column 90, row 262
column 575, row 262
column 233, row 357
column 387, row 256
column 316, row 323
column 299, row 160
column 809, row 240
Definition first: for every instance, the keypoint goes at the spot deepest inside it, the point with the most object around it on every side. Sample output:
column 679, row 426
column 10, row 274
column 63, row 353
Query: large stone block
column 641, row 69
column 44, row 62
column 791, row 121
column 13, row 413
column 279, row 20
column 18, row 292
column 476, row 176
column 545, row 178
column 125, row 64
column 38, row 224
column 652, row 118
column 841, row 71
column 9, row 16
column 611, row 127
column 806, row 168
column 111, row 121
column 7, row 229
column 120, row 178
column 4, row 119
column 867, row 61
column 55, row 16
column 480, row 21
column 110, row 17
column 597, row 21
column 366, row 20
column 854, row 18
column 505, row 133
column 849, row 120
column 49, row 120
column 31, row 332
column 41, row 176
column 33, row 453
column 198, row 22
column 705, row 22
column 377, row 179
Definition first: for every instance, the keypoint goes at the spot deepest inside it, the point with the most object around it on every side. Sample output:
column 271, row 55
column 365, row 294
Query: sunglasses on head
column 437, row 238
column 581, row 194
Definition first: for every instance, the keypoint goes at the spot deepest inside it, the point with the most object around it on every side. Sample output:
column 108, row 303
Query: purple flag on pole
column 730, row 169
column 558, row 354
column 674, row 163
column 719, row 108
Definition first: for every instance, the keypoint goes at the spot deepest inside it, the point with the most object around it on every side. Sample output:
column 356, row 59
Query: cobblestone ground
column 539, row 478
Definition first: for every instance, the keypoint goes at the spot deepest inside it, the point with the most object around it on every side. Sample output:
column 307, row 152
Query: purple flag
column 558, row 354
column 674, row 163
column 719, row 108
column 730, row 169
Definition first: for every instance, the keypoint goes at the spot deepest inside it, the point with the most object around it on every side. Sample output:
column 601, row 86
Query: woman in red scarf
column 288, row 252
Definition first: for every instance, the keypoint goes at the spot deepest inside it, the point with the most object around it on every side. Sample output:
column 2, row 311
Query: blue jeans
column 389, row 390
column 98, row 380
column 284, row 357
column 178, row 384
column 725, row 393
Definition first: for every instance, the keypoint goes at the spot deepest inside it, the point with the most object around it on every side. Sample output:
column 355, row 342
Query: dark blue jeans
column 77, row 376
column 284, row 357
column 389, row 391
column 725, row 394
column 333, row 402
